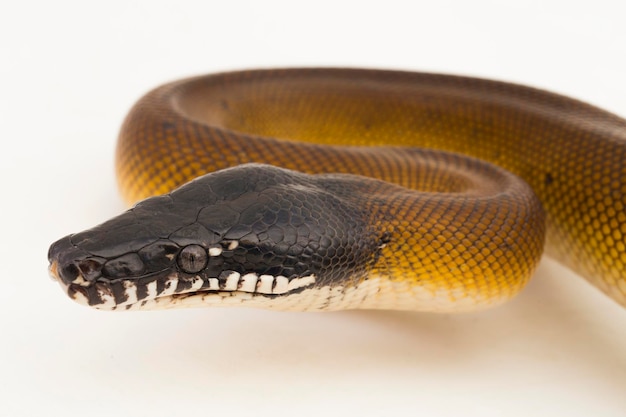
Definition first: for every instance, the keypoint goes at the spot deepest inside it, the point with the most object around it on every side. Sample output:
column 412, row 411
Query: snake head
column 250, row 235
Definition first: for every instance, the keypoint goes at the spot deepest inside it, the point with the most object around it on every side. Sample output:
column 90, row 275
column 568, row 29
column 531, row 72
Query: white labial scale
column 214, row 284
column 170, row 287
column 80, row 298
column 196, row 284
column 248, row 282
column 281, row 286
column 131, row 292
column 108, row 301
column 265, row 284
column 300, row 282
column 215, row 251
column 232, row 281
column 373, row 293
column 151, row 290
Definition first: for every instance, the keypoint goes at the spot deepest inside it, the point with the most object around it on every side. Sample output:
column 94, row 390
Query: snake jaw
column 167, row 291
column 258, row 233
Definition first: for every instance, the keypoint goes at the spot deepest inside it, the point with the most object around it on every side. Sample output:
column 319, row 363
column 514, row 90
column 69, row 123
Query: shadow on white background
column 70, row 72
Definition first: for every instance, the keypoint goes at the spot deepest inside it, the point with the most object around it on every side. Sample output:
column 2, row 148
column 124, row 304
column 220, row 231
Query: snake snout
column 59, row 265
column 72, row 265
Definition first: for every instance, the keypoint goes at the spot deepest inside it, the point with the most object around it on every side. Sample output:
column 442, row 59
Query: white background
column 69, row 71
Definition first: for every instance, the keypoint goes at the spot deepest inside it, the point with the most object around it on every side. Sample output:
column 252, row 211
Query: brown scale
column 482, row 240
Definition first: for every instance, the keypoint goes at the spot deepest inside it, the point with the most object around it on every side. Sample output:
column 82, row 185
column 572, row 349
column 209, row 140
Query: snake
column 321, row 189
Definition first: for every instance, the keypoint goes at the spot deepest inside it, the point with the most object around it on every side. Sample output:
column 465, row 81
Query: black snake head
column 253, row 232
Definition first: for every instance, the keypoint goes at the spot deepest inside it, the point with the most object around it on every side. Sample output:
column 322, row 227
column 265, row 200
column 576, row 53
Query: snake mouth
column 170, row 289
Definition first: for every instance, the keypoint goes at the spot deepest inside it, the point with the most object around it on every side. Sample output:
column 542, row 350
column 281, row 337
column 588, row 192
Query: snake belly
column 381, row 210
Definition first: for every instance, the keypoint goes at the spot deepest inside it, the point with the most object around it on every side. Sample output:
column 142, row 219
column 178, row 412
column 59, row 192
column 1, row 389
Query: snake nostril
column 72, row 262
column 68, row 272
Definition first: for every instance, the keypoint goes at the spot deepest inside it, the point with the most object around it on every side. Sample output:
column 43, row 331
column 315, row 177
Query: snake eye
column 192, row 259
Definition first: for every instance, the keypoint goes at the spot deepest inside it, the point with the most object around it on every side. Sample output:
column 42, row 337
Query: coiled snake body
column 337, row 205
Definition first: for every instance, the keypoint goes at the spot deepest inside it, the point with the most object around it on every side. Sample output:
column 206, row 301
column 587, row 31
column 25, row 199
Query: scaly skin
column 472, row 235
